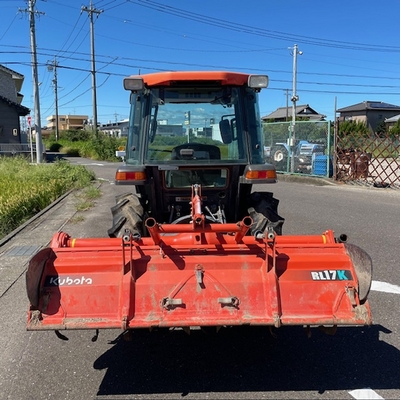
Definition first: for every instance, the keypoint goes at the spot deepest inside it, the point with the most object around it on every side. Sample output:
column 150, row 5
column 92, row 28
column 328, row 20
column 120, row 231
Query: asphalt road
column 243, row 363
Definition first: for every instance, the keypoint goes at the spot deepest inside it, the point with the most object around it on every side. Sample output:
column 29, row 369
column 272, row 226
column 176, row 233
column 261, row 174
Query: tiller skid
column 198, row 274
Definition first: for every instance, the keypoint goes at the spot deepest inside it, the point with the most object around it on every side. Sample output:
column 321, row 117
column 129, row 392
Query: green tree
column 381, row 129
column 394, row 132
column 353, row 128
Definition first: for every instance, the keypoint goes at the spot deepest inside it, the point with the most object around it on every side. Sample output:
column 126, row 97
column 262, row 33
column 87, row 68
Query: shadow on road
column 249, row 359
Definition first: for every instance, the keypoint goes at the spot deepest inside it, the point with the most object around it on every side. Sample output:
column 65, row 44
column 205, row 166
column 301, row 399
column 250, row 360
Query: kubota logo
column 67, row 281
column 331, row 275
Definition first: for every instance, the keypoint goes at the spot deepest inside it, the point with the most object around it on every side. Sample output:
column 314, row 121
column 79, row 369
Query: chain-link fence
column 362, row 158
column 308, row 149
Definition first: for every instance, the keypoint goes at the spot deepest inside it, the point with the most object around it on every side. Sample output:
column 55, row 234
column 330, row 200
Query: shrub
column 105, row 147
column 84, row 144
column 71, row 151
column 55, row 147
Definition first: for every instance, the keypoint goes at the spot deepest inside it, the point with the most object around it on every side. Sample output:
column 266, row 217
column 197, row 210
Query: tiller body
column 198, row 274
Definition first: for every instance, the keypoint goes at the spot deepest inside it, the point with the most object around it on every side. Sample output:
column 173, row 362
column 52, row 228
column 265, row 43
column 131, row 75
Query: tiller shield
column 198, row 274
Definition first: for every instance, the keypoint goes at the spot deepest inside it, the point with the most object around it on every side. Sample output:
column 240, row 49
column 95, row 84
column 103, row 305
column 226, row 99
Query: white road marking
column 385, row 287
column 362, row 394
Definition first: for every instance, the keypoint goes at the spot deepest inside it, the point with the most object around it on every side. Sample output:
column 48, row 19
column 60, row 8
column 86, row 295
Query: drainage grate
column 23, row 251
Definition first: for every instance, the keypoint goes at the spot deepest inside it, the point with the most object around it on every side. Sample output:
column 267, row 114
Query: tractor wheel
column 279, row 158
column 263, row 209
column 127, row 216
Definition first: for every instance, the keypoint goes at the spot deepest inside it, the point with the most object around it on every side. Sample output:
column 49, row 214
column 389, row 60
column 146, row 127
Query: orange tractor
column 192, row 245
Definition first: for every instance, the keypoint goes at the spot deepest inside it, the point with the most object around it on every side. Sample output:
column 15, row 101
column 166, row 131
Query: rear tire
column 263, row 209
column 127, row 215
column 279, row 158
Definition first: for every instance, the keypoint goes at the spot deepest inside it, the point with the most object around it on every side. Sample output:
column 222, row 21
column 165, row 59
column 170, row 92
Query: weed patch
column 26, row 189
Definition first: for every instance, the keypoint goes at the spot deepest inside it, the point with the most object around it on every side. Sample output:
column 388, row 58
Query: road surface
column 239, row 363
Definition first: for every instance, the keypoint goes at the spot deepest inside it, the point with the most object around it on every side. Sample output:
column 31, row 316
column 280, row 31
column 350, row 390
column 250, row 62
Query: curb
column 311, row 180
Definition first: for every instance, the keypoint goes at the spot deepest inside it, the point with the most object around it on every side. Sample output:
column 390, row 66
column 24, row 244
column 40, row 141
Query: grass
column 77, row 219
column 86, row 198
column 26, row 189
column 85, row 201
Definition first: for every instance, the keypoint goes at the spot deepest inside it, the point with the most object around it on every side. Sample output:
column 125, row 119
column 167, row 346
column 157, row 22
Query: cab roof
column 173, row 77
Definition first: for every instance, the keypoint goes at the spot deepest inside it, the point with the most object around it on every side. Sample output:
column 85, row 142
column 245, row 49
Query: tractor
column 192, row 244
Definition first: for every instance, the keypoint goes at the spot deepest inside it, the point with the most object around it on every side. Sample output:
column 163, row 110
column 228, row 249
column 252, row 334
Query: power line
column 9, row 26
column 155, row 63
column 238, row 27
column 77, row 32
column 112, row 62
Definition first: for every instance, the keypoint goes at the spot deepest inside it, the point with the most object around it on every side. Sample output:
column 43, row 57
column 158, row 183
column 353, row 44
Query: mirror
column 226, row 132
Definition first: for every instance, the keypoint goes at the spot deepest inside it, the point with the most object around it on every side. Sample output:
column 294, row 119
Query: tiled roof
column 301, row 110
column 393, row 119
column 10, row 71
column 22, row 111
column 369, row 105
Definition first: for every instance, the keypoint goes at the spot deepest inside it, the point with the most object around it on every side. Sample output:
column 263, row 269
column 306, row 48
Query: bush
column 71, row 151
column 84, row 144
column 76, row 136
column 105, row 147
column 55, row 147
column 354, row 129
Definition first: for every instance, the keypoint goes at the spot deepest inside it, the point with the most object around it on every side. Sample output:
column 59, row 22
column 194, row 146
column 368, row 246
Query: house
column 67, row 122
column 117, row 129
column 372, row 113
column 283, row 114
column 11, row 108
column 392, row 121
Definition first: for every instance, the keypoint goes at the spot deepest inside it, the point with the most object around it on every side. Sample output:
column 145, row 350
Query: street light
column 294, row 99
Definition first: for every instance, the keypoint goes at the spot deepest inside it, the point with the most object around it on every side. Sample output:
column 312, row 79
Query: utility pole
column 35, row 79
column 91, row 10
column 53, row 67
column 294, row 99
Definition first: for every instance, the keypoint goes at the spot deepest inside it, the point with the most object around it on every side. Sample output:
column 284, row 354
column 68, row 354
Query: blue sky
column 351, row 49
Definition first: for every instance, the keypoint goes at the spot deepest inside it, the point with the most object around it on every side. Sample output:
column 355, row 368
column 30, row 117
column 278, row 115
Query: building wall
column 118, row 129
column 375, row 117
column 9, row 124
column 10, row 107
column 9, row 119
column 7, row 87
column 371, row 117
column 170, row 130
column 66, row 122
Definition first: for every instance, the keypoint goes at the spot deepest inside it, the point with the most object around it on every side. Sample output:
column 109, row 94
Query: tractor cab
column 194, row 128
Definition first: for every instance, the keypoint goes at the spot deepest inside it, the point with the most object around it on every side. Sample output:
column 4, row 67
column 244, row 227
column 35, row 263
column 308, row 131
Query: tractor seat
column 196, row 151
